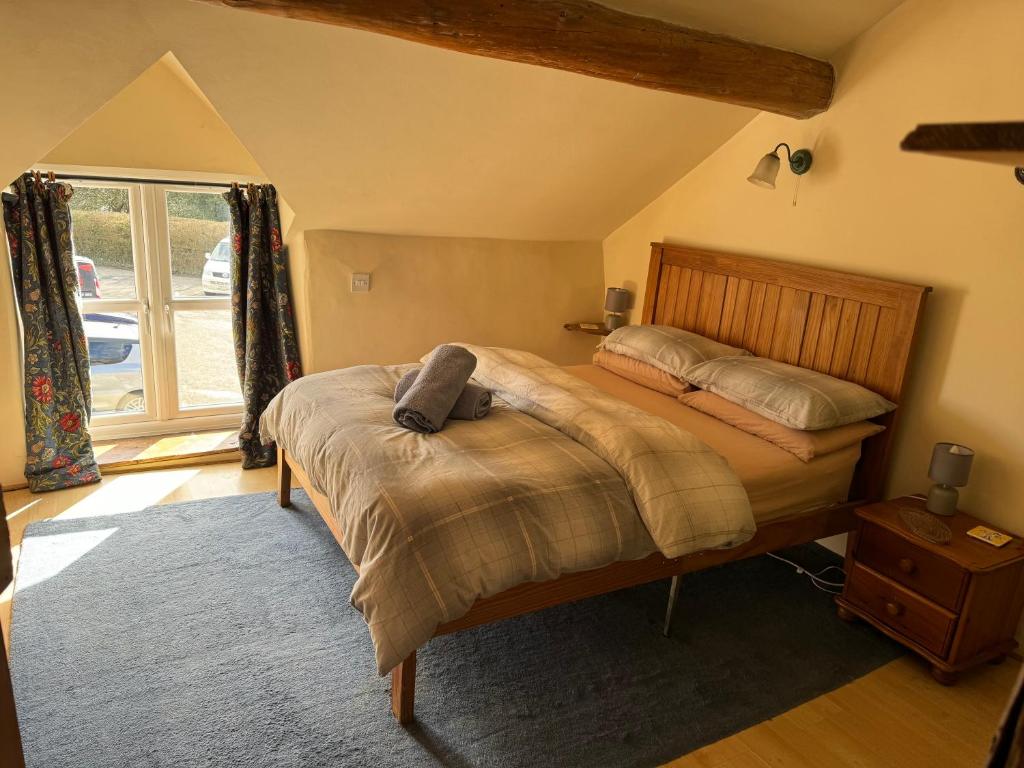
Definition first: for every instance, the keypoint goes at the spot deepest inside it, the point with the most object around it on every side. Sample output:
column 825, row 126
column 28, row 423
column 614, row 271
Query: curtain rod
column 130, row 180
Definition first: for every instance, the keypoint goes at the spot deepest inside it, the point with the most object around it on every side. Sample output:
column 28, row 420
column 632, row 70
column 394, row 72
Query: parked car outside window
column 88, row 280
column 115, row 362
column 217, row 270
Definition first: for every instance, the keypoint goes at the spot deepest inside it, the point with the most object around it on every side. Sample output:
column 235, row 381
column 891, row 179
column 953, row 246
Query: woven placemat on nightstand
column 926, row 525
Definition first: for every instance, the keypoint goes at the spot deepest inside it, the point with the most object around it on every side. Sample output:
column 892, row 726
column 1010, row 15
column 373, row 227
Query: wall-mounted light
column 768, row 167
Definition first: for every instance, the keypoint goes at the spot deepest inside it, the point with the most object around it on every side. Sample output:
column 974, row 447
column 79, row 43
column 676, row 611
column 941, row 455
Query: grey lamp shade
column 951, row 464
column 617, row 300
column 766, row 171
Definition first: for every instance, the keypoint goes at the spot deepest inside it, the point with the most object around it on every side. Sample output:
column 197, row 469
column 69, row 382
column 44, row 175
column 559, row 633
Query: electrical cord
column 816, row 578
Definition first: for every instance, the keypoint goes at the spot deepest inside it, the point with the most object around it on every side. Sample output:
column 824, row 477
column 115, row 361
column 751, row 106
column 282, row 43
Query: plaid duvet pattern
column 434, row 522
column 687, row 496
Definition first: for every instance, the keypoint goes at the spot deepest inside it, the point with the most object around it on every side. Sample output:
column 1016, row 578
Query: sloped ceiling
column 159, row 120
column 368, row 133
column 816, row 28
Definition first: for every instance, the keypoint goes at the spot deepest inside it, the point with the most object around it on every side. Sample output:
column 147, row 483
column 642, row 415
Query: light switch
column 360, row 282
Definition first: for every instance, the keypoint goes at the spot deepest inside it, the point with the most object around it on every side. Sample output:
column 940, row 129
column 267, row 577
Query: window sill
column 127, row 454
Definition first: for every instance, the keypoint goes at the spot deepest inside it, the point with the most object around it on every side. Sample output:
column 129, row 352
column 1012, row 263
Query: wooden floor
column 894, row 716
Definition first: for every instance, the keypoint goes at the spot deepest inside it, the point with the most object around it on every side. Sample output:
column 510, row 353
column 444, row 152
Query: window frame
column 151, row 247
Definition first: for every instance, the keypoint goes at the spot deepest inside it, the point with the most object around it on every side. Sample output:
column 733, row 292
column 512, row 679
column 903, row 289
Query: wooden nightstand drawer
column 928, row 574
column 956, row 604
column 917, row 619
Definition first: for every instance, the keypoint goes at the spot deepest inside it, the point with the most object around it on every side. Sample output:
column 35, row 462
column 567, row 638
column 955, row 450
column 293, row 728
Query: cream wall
column 160, row 120
column 867, row 207
column 12, row 430
column 430, row 290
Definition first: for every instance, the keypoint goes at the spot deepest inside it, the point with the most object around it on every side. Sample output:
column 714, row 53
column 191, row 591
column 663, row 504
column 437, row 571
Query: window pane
column 199, row 228
column 206, row 358
column 115, row 362
column 101, row 232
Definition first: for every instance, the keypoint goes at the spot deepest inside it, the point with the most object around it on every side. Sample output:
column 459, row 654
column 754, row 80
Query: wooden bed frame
column 856, row 328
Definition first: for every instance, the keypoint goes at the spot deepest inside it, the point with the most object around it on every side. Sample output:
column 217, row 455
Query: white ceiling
column 367, row 133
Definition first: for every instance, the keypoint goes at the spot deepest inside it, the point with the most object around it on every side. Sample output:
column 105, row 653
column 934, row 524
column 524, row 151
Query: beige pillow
column 803, row 444
column 641, row 373
column 673, row 350
column 796, row 397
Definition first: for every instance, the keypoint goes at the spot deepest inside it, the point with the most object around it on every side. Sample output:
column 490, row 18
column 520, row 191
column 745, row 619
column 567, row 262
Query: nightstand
column 955, row 604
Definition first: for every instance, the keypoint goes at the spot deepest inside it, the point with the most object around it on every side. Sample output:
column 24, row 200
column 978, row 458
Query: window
column 154, row 273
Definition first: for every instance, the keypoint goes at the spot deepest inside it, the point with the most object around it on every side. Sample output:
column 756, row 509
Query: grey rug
column 219, row 633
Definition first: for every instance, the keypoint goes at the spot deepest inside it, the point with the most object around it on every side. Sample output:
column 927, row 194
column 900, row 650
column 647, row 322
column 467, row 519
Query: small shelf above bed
column 1001, row 143
column 600, row 330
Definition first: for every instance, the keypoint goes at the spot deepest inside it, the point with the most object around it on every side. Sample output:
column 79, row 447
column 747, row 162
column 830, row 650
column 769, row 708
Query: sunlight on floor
column 133, row 450
column 23, row 509
column 58, row 552
column 118, row 494
column 99, row 450
column 183, row 444
column 128, row 493
column 5, row 606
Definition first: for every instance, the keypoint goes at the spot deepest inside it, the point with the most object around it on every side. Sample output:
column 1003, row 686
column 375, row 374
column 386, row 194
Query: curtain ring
column 51, row 176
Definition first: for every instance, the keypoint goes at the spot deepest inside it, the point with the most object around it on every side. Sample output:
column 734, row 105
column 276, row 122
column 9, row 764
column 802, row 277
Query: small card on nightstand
column 995, row 538
column 591, row 326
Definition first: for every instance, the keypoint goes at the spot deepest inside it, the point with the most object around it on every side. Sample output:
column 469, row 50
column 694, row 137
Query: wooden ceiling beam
column 589, row 39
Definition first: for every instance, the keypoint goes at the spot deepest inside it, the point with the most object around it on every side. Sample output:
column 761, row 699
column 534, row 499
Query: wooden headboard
column 856, row 328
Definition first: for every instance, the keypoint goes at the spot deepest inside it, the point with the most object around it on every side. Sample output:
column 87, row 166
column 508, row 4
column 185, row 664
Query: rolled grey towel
column 427, row 403
column 474, row 402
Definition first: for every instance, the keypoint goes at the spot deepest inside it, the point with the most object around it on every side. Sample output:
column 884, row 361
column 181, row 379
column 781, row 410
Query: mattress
column 777, row 482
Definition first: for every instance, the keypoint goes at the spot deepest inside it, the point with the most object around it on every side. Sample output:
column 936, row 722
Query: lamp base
column 942, row 500
column 614, row 320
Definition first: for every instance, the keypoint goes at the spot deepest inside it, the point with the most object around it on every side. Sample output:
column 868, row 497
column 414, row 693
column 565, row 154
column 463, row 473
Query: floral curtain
column 266, row 350
column 57, row 390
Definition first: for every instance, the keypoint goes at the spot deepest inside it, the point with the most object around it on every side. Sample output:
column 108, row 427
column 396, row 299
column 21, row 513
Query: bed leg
column 403, row 689
column 284, row 479
column 673, row 597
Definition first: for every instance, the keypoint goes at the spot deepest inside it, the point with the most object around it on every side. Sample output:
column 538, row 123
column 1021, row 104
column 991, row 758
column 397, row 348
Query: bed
column 856, row 328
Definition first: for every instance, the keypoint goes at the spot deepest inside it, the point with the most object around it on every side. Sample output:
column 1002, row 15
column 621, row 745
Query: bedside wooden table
column 955, row 604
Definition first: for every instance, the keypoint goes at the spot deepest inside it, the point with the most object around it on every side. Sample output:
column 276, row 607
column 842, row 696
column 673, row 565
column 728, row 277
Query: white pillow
column 673, row 350
column 797, row 397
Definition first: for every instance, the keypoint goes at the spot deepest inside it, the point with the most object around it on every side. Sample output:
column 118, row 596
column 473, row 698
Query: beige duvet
column 560, row 477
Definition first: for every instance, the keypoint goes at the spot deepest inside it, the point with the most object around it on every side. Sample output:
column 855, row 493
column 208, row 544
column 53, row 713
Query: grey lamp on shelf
column 950, row 468
column 616, row 302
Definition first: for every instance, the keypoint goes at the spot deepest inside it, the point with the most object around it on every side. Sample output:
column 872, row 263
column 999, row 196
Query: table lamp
column 616, row 302
column 950, row 468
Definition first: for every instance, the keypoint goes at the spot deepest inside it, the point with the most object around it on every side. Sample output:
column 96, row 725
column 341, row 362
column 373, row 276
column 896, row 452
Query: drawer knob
column 893, row 608
column 907, row 565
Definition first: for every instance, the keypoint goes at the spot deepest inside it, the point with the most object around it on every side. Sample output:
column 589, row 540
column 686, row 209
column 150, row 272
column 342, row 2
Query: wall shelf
column 584, row 328
column 1001, row 143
